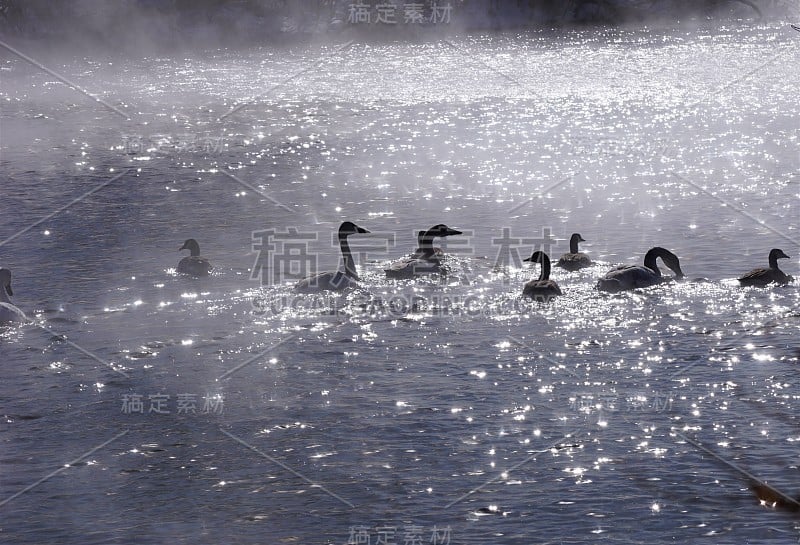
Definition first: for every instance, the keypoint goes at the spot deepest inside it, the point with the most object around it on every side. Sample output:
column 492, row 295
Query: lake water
column 435, row 411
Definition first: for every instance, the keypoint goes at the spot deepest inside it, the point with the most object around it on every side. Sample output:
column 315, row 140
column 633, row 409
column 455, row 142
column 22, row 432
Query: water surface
column 445, row 408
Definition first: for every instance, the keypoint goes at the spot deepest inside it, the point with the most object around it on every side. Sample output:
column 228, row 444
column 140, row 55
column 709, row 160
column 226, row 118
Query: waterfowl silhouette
column 629, row 277
column 8, row 312
column 437, row 252
column 426, row 259
column 574, row 260
column 335, row 280
column 762, row 277
column 193, row 264
column 542, row 289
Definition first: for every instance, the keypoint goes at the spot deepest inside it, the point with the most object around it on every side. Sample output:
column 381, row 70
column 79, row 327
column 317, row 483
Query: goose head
column 536, row 257
column 542, row 258
column 573, row 242
column 774, row 255
column 669, row 259
column 441, row 230
column 5, row 281
column 191, row 245
column 777, row 253
column 425, row 238
column 349, row 228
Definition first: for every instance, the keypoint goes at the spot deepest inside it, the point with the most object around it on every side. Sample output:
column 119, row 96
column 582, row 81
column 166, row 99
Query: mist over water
column 443, row 407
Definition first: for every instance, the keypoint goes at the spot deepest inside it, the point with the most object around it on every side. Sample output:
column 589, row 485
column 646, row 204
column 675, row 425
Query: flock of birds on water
column 427, row 259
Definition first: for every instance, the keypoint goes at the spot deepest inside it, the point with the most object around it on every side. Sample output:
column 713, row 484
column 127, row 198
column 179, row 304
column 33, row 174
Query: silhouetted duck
column 574, row 260
column 542, row 289
column 629, row 277
column 426, row 259
column 762, row 277
column 193, row 264
column 335, row 280
column 8, row 312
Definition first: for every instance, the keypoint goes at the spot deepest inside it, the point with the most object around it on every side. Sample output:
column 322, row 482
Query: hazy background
column 143, row 26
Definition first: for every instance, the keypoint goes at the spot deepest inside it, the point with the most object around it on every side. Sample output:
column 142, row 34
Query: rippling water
column 444, row 409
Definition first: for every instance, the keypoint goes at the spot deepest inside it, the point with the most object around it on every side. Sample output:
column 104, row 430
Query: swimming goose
column 426, row 259
column 762, row 277
column 542, row 289
column 335, row 280
column 629, row 277
column 574, row 260
column 193, row 264
column 8, row 312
